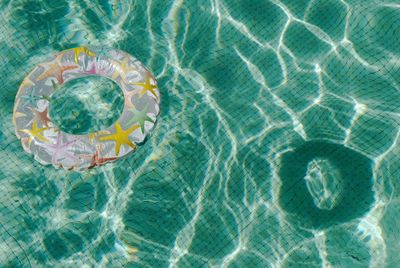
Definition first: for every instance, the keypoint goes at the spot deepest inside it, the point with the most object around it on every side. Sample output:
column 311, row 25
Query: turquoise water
column 276, row 145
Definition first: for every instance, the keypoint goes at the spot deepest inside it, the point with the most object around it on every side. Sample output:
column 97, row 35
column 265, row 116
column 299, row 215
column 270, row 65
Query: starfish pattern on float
column 56, row 70
column 147, row 86
column 121, row 137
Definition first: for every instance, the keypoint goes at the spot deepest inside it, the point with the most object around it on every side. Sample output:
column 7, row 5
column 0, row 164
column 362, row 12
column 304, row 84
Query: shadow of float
column 355, row 195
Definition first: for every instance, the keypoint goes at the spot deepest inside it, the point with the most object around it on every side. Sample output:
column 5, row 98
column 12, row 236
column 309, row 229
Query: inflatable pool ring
column 49, row 145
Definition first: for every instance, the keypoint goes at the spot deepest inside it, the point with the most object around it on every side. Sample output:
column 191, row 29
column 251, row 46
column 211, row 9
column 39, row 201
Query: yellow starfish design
column 35, row 132
column 93, row 135
column 79, row 50
column 147, row 86
column 120, row 137
column 122, row 68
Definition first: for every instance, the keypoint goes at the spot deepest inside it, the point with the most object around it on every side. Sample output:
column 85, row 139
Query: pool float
column 49, row 145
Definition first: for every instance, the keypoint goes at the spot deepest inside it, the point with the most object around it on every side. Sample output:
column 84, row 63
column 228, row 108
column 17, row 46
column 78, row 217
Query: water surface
column 277, row 143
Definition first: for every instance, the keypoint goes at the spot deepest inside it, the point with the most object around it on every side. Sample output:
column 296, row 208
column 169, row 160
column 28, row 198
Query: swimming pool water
column 276, row 146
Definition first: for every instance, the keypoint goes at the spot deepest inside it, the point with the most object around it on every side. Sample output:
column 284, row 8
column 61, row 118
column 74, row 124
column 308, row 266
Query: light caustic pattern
column 277, row 144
